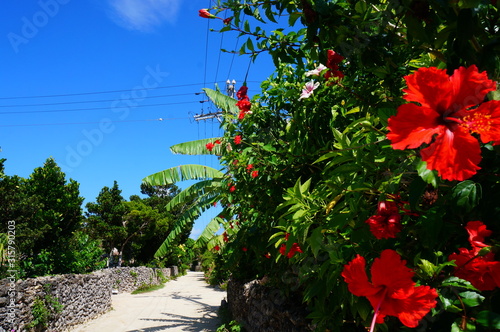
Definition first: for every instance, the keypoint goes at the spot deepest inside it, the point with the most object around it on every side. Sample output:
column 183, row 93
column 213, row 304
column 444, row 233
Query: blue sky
column 93, row 71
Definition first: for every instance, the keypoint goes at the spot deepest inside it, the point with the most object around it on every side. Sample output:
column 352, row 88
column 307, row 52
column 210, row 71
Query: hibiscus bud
column 205, row 14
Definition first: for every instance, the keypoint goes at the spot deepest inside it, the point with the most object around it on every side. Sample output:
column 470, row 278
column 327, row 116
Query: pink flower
column 317, row 71
column 308, row 89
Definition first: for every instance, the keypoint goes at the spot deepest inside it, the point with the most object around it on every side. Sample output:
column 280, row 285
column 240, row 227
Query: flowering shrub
column 382, row 106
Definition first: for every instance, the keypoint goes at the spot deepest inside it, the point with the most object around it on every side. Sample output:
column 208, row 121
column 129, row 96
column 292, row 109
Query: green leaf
column 457, row 282
column 222, row 101
column 470, row 299
column 458, row 324
column 427, row 267
column 488, row 319
column 426, row 174
column 467, row 195
column 197, row 147
column 182, row 173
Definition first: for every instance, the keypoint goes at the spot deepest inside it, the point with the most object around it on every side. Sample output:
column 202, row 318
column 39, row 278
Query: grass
column 144, row 288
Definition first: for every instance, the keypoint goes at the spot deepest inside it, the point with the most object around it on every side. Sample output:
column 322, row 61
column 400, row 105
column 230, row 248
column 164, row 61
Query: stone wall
column 264, row 309
column 69, row 299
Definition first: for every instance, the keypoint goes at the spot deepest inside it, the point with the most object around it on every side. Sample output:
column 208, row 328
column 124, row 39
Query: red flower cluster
column 255, row 174
column 483, row 272
column 225, row 237
column 237, row 139
column 211, row 145
column 332, row 63
column 449, row 110
column 392, row 291
column 293, row 250
column 243, row 103
column 387, row 222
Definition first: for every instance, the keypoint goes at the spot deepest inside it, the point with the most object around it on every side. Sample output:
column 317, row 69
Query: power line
column 80, row 123
column 102, row 92
column 94, row 101
column 100, row 108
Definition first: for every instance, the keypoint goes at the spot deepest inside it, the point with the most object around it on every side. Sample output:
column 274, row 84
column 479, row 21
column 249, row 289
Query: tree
column 46, row 210
column 105, row 220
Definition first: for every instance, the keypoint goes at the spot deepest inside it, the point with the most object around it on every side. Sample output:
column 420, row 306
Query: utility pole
column 230, row 90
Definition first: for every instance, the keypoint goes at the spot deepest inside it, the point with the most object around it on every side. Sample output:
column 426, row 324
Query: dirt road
column 184, row 304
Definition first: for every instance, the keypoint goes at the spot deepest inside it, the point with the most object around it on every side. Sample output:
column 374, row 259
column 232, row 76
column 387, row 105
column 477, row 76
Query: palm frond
column 182, row 173
column 197, row 147
column 209, row 232
column 195, row 190
column 222, row 101
column 192, row 213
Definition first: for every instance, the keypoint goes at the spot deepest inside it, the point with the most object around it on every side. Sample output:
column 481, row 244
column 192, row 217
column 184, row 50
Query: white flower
column 317, row 71
column 308, row 89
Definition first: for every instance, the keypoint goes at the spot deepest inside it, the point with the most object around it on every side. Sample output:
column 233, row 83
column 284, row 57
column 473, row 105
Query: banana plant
column 203, row 193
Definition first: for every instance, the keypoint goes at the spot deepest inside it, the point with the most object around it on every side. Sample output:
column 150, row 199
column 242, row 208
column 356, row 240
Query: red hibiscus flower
column 237, row 139
column 477, row 232
column 205, row 14
column 392, row 291
column 209, row 146
column 243, row 103
column 293, row 250
column 242, row 92
column 449, row 109
column 387, row 222
column 332, row 63
column 483, row 272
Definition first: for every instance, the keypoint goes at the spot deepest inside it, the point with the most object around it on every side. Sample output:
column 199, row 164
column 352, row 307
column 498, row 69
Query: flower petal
column 485, row 120
column 412, row 126
column 399, row 280
column 470, row 86
column 413, row 309
column 455, row 155
column 431, row 87
column 355, row 276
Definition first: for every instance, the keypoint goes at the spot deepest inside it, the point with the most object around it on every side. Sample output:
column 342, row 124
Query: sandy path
column 185, row 304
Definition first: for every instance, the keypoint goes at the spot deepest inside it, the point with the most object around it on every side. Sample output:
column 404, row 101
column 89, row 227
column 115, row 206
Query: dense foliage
column 46, row 211
column 365, row 175
column 44, row 230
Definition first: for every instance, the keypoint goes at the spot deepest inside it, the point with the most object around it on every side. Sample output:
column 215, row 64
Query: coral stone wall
column 69, row 299
column 264, row 309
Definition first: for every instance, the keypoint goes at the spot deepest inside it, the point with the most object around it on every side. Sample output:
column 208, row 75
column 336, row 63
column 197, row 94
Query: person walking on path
column 187, row 303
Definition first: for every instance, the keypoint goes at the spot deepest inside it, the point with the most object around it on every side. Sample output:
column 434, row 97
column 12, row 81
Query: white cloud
column 144, row 15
